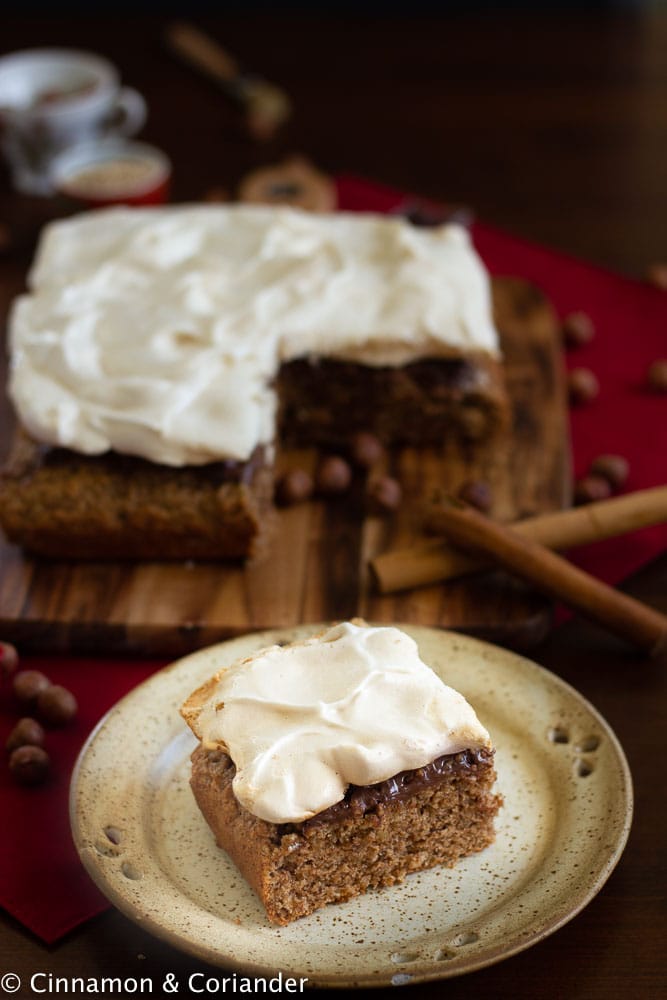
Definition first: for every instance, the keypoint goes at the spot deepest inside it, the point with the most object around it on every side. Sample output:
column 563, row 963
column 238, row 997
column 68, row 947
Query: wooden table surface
column 552, row 126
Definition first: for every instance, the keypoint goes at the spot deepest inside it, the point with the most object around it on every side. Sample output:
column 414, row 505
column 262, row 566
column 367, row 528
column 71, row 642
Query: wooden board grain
column 317, row 566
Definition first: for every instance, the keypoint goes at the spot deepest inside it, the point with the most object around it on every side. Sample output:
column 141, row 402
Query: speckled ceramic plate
column 565, row 820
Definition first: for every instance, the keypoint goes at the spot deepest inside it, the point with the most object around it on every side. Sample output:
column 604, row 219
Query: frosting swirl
column 354, row 705
column 158, row 332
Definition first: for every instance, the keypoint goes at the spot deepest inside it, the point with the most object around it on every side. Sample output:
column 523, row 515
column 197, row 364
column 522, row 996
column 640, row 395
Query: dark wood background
column 552, row 125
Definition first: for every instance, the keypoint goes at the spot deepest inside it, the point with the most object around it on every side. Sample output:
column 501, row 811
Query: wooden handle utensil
column 266, row 105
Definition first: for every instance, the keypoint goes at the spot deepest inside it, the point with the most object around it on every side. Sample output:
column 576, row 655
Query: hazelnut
column 29, row 765
column 657, row 375
column 334, row 475
column 294, row 486
column 477, row 493
column 613, row 468
column 26, row 732
column 591, row 488
column 473, row 423
column 365, row 449
column 582, row 385
column 383, row 495
column 577, row 329
column 9, row 659
column 56, row 705
column 28, row 684
column 656, row 275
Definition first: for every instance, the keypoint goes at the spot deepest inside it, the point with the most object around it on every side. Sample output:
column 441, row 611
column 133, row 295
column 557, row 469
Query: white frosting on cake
column 157, row 331
column 354, row 705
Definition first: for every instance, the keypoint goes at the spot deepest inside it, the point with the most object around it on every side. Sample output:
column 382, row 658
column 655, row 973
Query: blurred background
column 551, row 123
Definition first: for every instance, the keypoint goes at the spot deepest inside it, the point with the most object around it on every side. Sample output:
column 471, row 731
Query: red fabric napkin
column 627, row 418
column 42, row 883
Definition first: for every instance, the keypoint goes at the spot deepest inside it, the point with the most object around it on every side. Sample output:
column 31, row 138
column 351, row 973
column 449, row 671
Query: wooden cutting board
column 317, row 567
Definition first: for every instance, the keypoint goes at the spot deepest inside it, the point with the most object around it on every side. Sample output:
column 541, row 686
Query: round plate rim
column 417, row 973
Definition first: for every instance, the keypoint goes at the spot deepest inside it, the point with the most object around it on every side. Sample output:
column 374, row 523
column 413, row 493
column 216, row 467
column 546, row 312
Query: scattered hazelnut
column 28, row 684
column 582, row 385
column 56, row 705
column 477, row 493
column 26, row 732
column 334, row 475
column 591, row 488
column 657, row 375
column 9, row 659
column 294, row 486
column 473, row 423
column 613, row 468
column 577, row 329
column 383, row 495
column 656, row 275
column 365, row 449
column 29, row 765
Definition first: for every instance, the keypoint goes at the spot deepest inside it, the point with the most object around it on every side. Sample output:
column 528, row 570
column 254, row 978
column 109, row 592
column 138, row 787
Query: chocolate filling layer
column 361, row 799
column 30, row 455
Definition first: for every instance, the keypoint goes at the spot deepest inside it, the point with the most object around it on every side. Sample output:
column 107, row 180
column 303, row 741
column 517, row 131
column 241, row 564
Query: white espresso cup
column 53, row 99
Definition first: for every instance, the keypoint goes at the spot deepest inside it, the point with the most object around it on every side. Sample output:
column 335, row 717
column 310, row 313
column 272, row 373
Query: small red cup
column 113, row 173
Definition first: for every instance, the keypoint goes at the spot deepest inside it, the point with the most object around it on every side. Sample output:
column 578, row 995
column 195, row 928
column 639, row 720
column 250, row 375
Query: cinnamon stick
column 436, row 560
column 555, row 576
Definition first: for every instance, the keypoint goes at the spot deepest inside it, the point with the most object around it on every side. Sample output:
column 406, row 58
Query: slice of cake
column 192, row 340
column 337, row 765
column 60, row 503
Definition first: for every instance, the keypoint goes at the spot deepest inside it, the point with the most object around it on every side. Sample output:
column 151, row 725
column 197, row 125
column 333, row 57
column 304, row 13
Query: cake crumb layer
column 296, row 870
